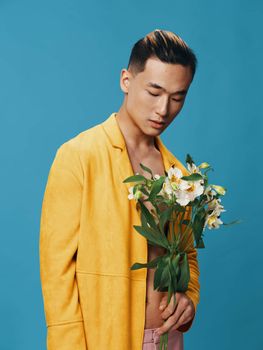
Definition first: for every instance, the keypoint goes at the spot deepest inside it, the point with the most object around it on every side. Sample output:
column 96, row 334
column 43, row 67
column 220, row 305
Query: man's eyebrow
column 156, row 86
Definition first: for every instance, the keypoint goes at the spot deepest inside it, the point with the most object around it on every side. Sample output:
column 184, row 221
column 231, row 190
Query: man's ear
column 125, row 80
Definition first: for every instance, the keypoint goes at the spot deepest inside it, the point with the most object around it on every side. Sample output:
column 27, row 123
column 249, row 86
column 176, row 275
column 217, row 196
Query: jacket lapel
column 113, row 131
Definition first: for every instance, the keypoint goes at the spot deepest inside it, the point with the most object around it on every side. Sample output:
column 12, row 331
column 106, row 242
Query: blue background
column 60, row 64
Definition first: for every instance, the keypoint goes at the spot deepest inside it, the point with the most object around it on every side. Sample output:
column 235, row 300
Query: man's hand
column 177, row 315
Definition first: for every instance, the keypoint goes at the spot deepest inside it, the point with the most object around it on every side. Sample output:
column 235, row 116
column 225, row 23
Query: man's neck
column 133, row 136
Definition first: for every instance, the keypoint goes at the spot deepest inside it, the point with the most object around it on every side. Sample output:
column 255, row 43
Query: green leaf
column 137, row 266
column 156, row 187
column 198, row 225
column 232, row 222
column 189, row 159
column 143, row 218
column 143, row 190
column 173, row 278
column 146, row 169
column 200, row 243
column 153, row 243
column 171, row 292
column 184, row 274
column 165, row 278
column 194, row 202
column 153, row 263
column 134, row 178
column 192, row 177
column 148, row 216
column 178, row 207
column 150, row 235
column 174, row 282
column 146, row 233
column 158, row 274
column 165, row 217
column 150, row 265
column 174, row 262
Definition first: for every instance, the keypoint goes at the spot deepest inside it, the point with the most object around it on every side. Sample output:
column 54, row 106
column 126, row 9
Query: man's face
column 146, row 102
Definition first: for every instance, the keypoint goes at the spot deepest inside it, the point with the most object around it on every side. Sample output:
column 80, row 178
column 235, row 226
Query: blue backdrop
column 60, row 64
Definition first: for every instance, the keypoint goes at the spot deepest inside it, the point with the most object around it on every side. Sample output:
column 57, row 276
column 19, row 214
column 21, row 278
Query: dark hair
column 165, row 45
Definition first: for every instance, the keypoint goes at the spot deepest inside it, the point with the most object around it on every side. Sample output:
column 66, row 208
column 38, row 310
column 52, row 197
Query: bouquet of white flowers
column 173, row 198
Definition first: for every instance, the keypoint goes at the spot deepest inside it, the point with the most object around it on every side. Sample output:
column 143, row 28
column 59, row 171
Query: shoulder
column 84, row 143
column 80, row 150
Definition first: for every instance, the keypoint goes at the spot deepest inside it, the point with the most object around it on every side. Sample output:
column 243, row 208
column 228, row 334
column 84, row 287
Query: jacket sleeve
column 193, row 291
column 58, row 243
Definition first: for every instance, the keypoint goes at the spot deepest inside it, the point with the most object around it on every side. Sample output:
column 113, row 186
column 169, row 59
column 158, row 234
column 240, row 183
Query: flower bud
column 138, row 194
column 203, row 165
column 219, row 189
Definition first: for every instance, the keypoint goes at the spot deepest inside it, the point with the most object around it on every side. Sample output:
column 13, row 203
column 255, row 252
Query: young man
column 92, row 299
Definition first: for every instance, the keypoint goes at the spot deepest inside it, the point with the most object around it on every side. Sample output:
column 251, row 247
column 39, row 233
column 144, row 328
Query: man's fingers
column 163, row 302
column 169, row 310
column 162, row 306
column 178, row 314
column 174, row 322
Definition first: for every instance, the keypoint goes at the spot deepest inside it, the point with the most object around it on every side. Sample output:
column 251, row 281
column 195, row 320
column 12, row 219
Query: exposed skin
column 133, row 118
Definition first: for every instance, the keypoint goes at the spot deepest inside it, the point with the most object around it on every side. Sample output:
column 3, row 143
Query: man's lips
column 158, row 122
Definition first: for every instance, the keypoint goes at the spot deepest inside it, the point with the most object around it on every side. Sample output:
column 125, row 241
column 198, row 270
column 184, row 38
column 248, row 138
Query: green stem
column 173, row 221
column 180, row 225
column 164, row 336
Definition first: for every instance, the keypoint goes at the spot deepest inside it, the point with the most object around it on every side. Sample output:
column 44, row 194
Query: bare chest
column 152, row 160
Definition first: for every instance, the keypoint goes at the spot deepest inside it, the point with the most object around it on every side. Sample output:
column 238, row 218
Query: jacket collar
column 117, row 140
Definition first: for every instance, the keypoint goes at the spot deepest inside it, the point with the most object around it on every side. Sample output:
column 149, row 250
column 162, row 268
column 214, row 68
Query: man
column 88, row 243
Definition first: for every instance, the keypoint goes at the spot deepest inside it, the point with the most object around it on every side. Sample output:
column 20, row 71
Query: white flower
column 209, row 192
column 193, row 169
column 182, row 198
column 185, row 191
column 212, row 219
column 213, row 222
column 174, row 176
column 194, row 190
column 216, row 206
column 166, row 190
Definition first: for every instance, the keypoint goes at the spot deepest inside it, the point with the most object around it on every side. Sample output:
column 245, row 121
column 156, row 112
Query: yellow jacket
column 92, row 299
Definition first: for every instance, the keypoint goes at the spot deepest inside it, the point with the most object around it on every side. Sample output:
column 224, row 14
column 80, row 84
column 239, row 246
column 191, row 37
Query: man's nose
column 163, row 105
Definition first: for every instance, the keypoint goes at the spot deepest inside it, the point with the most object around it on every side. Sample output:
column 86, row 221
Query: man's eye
column 152, row 94
column 178, row 100
column 174, row 99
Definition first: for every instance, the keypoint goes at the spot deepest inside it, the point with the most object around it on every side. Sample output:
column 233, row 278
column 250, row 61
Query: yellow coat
column 92, row 300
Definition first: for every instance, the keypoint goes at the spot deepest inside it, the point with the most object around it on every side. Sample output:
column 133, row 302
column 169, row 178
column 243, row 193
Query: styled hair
column 164, row 45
